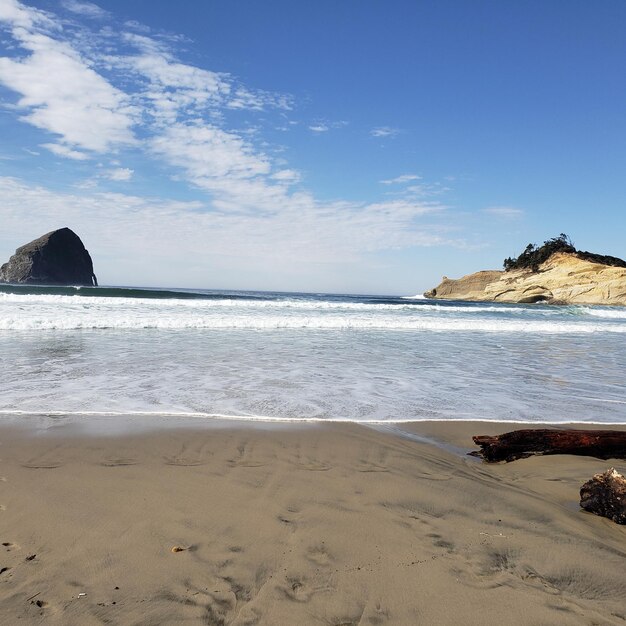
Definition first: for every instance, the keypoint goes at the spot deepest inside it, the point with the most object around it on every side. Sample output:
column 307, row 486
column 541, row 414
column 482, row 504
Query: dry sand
column 330, row 524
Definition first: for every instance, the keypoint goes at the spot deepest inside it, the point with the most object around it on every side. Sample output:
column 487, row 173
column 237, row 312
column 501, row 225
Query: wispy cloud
column 304, row 235
column 507, row 212
column 86, row 9
column 65, row 151
column 140, row 95
column 59, row 92
column 400, row 180
column 319, row 128
column 18, row 15
column 120, row 174
column 322, row 126
column 384, row 131
column 287, row 176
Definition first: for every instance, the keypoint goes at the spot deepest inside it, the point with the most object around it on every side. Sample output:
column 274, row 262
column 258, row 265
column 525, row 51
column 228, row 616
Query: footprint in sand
column 312, row 465
column 244, row 458
column 42, row 465
column 118, row 462
column 318, row 555
column 283, row 519
column 371, row 467
column 183, row 461
column 298, row 590
column 440, row 542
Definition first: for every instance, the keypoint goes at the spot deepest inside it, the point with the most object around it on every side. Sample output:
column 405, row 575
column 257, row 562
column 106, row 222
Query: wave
column 221, row 301
column 121, row 292
column 143, row 320
column 615, row 314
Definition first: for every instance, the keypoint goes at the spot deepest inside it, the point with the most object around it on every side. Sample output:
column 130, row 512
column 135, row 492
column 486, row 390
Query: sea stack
column 57, row 258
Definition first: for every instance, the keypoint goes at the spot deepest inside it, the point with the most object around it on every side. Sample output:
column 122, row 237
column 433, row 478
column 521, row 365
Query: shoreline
column 199, row 419
column 335, row 523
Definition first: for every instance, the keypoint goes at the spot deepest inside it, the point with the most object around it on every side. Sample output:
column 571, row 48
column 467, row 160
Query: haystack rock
column 57, row 258
column 563, row 279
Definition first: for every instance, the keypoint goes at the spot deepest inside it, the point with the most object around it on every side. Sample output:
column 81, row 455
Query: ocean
column 81, row 352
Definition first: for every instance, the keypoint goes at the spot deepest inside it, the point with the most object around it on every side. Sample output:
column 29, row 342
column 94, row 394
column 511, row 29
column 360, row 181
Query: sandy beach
column 333, row 524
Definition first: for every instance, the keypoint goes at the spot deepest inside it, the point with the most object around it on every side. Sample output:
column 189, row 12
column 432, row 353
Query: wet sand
column 330, row 524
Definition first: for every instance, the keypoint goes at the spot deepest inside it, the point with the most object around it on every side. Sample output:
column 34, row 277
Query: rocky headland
column 56, row 258
column 555, row 273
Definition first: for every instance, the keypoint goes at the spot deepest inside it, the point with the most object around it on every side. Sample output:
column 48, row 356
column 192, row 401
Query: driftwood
column 605, row 495
column 520, row 444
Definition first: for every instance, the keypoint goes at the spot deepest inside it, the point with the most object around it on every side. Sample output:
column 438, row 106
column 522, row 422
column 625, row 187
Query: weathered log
column 520, row 444
column 605, row 495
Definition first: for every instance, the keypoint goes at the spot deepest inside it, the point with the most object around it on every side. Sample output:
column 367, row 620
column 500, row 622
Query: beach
column 169, row 521
column 266, row 268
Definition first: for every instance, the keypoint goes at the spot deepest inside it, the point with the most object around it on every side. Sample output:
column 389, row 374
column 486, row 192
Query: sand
column 302, row 524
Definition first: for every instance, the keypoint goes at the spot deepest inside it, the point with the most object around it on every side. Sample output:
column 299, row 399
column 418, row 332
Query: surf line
column 268, row 418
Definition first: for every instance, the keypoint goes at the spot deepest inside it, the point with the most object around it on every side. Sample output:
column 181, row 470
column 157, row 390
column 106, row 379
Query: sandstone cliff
column 563, row 279
column 57, row 258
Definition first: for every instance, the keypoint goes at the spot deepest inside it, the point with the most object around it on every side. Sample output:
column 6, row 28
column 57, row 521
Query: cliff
column 564, row 278
column 57, row 258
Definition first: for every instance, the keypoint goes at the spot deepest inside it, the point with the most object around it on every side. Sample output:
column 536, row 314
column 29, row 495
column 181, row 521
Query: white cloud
column 65, row 151
column 255, row 212
column 120, row 174
column 322, row 126
column 86, row 9
column 399, row 180
column 61, row 94
column 504, row 211
column 286, row 176
column 17, row 15
column 176, row 87
column 384, row 131
column 135, row 25
column 426, row 189
column 173, row 88
column 258, row 100
column 208, row 154
column 124, row 230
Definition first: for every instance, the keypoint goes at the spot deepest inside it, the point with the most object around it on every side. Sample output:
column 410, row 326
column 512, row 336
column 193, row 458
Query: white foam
column 280, row 419
column 260, row 305
column 615, row 314
column 444, row 362
column 136, row 320
column 59, row 312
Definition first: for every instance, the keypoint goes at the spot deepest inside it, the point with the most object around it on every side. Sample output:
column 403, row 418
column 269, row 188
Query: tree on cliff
column 533, row 255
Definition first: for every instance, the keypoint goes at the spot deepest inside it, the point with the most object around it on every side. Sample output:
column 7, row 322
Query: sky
column 347, row 146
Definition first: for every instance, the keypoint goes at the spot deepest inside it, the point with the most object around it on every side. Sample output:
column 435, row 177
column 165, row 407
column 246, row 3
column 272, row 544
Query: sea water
column 292, row 356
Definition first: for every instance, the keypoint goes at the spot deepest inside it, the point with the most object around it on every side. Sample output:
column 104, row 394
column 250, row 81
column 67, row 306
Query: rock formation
column 57, row 258
column 564, row 278
column 605, row 495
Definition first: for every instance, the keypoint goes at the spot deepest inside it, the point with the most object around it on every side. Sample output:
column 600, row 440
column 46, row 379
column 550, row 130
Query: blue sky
column 330, row 146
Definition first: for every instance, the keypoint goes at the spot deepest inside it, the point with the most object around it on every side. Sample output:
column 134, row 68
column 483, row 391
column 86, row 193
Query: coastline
column 313, row 523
